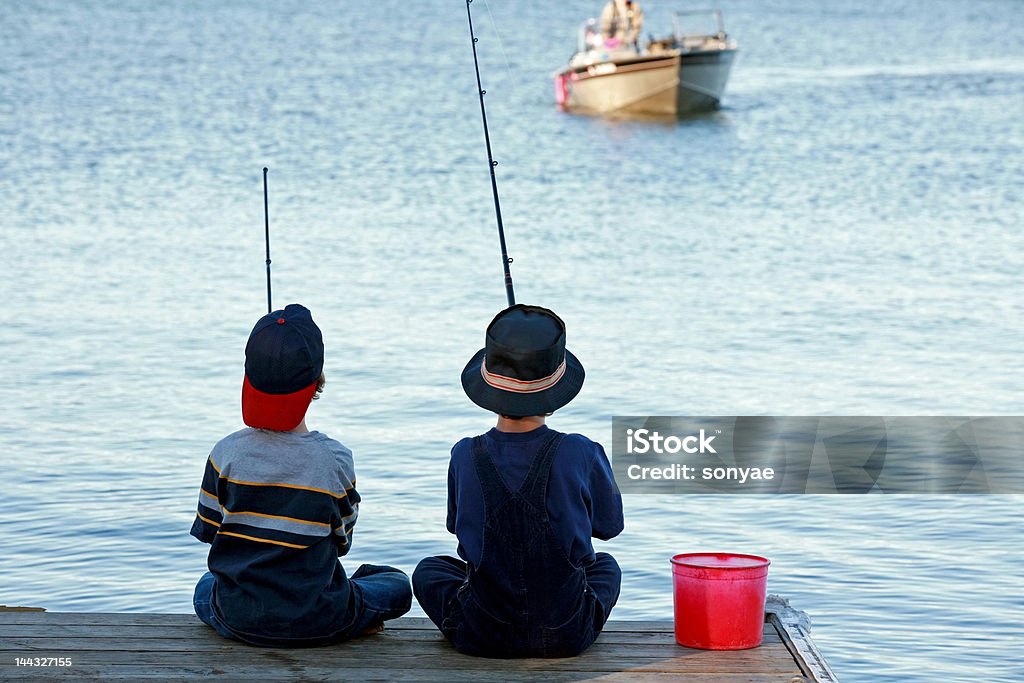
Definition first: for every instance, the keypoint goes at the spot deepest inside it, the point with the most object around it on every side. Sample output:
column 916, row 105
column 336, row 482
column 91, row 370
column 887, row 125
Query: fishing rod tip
column 265, row 169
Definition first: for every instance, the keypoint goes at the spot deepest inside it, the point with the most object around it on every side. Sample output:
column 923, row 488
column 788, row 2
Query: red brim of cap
column 279, row 412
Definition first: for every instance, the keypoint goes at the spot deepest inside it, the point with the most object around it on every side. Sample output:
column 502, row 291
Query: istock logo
column 647, row 441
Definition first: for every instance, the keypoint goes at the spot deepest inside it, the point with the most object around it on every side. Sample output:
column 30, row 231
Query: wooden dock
column 178, row 647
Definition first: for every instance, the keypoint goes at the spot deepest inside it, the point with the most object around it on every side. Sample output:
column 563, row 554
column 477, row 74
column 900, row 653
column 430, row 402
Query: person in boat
column 592, row 39
column 524, row 502
column 621, row 22
column 278, row 505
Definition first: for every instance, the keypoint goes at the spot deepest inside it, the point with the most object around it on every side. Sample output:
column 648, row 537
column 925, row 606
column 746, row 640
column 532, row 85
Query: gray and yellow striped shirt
column 278, row 508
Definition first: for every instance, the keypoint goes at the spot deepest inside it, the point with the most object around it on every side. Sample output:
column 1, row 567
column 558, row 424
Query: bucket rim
column 759, row 562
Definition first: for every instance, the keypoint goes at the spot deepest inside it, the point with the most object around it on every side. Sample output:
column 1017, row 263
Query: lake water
column 843, row 237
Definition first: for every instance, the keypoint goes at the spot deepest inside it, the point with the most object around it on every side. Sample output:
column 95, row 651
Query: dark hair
column 320, row 383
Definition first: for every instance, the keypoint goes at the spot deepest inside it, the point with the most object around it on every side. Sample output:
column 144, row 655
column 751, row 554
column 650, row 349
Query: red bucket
column 719, row 600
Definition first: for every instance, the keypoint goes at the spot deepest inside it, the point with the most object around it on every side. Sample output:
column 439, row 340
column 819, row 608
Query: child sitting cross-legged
column 524, row 502
column 278, row 505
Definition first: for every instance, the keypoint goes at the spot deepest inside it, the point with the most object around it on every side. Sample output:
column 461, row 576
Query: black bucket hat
column 524, row 368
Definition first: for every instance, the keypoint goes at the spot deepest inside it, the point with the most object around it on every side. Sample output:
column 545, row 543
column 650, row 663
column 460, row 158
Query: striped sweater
column 278, row 508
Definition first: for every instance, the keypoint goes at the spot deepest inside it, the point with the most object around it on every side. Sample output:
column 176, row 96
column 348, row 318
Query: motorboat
column 679, row 74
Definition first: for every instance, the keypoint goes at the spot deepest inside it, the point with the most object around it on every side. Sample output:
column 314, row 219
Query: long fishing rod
column 266, row 223
column 505, row 260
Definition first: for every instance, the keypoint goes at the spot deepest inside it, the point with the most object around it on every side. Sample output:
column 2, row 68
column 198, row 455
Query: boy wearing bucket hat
column 524, row 501
column 278, row 505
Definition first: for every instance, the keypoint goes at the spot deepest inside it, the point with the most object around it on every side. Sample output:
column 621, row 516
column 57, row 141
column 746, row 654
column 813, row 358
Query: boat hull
column 657, row 85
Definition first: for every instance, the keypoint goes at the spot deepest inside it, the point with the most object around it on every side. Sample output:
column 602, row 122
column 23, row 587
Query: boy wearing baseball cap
column 524, row 502
column 278, row 505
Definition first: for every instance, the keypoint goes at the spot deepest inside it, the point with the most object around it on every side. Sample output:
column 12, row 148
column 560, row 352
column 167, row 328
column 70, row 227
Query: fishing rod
column 266, row 223
column 505, row 260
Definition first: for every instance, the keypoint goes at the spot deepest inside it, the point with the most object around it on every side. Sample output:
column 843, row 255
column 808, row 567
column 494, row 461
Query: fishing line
column 266, row 223
column 505, row 260
column 501, row 43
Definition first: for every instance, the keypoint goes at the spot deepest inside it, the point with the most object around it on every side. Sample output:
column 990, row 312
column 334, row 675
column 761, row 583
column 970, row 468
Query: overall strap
column 535, row 488
column 491, row 484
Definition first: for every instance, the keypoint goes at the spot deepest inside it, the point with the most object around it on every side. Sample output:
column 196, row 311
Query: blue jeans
column 386, row 594
column 204, row 610
column 383, row 593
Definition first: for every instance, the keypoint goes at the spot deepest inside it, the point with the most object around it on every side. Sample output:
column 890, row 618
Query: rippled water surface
column 842, row 237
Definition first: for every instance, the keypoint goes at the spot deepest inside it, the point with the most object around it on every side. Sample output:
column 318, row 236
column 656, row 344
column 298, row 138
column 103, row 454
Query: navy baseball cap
column 284, row 358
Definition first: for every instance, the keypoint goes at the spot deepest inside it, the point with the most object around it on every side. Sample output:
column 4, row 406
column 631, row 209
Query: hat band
column 522, row 386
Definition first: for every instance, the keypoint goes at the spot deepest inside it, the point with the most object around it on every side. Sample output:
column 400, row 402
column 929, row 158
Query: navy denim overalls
column 525, row 598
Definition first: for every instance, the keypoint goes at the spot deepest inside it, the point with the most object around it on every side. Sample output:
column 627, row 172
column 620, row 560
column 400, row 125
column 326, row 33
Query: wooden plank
column 138, row 619
column 97, row 618
column 106, row 646
column 177, row 619
column 200, row 630
column 371, row 649
column 794, row 627
column 282, row 660
column 261, row 673
column 151, row 619
column 154, row 619
column 448, row 659
column 205, row 639
column 100, row 650
column 397, row 646
column 164, row 621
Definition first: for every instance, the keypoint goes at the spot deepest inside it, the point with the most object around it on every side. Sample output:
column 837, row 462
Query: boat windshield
column 695, row 25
